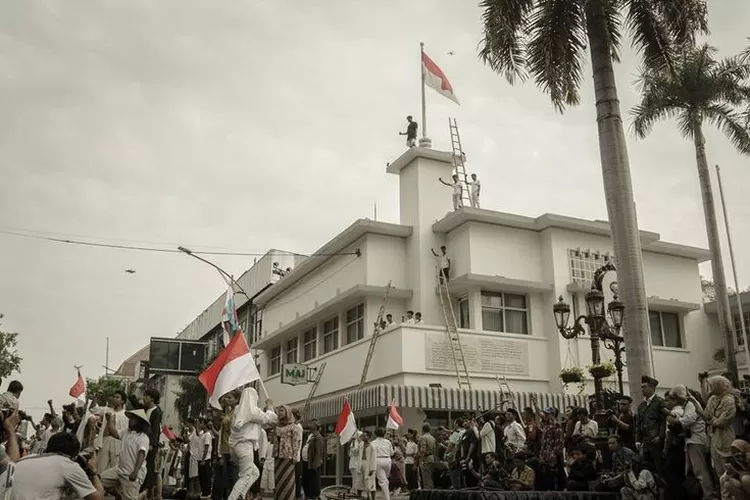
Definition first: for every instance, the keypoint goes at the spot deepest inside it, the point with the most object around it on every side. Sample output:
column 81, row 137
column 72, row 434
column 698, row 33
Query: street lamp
column 598, row 327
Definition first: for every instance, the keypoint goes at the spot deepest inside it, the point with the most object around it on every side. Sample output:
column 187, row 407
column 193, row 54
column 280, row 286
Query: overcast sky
column 249, row 125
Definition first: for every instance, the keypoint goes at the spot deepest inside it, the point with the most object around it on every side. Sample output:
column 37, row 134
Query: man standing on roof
column 458, row 191
column 411, row 132
column 474, row 186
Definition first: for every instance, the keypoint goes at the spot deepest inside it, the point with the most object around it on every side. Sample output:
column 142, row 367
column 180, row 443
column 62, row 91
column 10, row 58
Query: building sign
column 482, row 354
column 294, row 374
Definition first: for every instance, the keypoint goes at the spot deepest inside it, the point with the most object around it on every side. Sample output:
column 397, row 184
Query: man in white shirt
column 585, row 429
column 125, row 479
column 475, row 186
column 383, row 450
column 458, row 191
column 515, row 436
column 111, row 443
column 46, row 476
column 445, row 263
column 409, row 318
column 418, row 319
column 487, row 436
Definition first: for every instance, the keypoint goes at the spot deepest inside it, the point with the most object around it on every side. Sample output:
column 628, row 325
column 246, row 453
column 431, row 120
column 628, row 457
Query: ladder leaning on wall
column 375, row 334
column 316, row 382
column 457, row 351
column 459, row 161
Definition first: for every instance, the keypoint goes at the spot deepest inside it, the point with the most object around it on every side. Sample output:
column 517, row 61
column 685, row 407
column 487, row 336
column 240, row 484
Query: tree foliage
column 547, row 39
column 103, row 388
column 10, row 361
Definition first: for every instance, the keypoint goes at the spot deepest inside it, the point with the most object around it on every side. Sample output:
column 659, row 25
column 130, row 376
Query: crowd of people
column 687, row 444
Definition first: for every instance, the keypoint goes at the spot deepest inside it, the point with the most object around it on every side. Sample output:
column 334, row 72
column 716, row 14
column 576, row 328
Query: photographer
column 624, row 422
column 57, row 473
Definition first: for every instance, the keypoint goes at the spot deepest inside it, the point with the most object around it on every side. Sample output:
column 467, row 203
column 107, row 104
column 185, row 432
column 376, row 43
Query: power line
column 153, row 249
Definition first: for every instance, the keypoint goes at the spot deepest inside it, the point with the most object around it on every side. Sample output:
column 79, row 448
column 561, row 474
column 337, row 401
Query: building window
column 331, row 335
column 738, row 327
column 665, row 329
column 584, row 263
column 309, row 344
column 274, row 365
column 355, row 324
column 463, row 313
column 291, row 350
column 504, row 312
column 257, row 325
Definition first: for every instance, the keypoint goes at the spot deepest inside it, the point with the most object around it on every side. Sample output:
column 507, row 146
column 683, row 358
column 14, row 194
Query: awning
column 437, row 398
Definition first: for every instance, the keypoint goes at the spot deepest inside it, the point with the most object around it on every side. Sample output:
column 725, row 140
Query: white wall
column 385, row 258
column 505, row 251
column 400, row 358
column 325, row 283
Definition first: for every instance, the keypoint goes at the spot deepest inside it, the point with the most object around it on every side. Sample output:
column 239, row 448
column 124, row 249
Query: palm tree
column 696, row 90
column 548, row 39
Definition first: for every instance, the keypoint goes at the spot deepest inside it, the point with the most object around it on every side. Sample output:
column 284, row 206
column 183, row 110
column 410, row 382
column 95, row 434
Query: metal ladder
column 459, row 160
column 316, row 383
column 375, row 334
column 459, row 360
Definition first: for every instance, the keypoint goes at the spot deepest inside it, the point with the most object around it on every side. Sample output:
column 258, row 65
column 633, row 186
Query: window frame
column 306, row 343
column 738, row 327
column 503, row 308
column 464, row 302
column 680, row 329
column 274, row 360
column 294, row 350
column 358, row 322
column 334, row 333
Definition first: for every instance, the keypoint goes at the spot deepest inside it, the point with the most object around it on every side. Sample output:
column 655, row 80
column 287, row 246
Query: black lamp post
column 599, row 327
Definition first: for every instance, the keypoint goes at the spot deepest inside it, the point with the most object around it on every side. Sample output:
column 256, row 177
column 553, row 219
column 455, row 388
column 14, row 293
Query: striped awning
column 436, row 398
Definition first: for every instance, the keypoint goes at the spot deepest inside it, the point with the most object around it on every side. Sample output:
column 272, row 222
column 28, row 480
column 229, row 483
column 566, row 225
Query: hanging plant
column 602, row 370
column 571, row 375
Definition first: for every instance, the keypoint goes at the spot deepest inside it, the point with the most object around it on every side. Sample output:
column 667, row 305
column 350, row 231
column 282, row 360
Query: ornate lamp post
column 599, row 327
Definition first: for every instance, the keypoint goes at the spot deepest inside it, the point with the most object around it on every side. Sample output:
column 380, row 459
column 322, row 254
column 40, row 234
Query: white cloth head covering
column 247, row 410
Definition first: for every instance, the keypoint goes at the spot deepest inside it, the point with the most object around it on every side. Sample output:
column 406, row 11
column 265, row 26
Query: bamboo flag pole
column 424, row 106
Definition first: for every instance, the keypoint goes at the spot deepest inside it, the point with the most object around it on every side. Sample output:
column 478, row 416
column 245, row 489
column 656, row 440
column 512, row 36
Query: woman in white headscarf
column 245, row 439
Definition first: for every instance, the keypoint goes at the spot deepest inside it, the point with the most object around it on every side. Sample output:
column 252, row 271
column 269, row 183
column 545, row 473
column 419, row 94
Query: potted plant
column 602, row 370
column 571, row 375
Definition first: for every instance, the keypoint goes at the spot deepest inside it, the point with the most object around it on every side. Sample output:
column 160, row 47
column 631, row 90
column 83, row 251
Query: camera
column 702, row 376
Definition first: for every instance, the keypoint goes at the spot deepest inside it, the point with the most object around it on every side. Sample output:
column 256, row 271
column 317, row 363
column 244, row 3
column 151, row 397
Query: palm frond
column 731, row 123
column 556, row 49
column 684, row 19
column 650, row 35
column 613, row 13
column 503, row 46
column 657, row 103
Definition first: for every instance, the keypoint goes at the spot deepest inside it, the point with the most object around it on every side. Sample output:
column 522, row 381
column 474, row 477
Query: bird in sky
column 130, row 271
column 451, row 53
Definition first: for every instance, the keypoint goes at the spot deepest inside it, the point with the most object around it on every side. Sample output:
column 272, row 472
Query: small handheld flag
column 394, row 418
column 346, row 426
column 79, row 388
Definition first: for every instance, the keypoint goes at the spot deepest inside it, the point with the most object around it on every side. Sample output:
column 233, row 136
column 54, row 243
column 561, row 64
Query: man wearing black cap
column 650, row 426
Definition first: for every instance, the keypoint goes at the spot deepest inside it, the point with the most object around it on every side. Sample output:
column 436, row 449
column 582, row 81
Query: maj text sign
column 294, row 374
column 483, row 354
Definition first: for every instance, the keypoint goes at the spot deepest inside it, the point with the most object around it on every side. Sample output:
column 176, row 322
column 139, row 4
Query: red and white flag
column 436, row 79
column 394, row 418
column 232, row 368
column 78, row 391
column 346, row 426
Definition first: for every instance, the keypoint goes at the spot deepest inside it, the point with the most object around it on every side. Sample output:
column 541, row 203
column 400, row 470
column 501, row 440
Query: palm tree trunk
column 618, row 190
column 726, row 325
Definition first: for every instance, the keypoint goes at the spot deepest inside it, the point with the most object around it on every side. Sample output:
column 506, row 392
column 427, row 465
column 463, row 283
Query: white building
column 506, row 273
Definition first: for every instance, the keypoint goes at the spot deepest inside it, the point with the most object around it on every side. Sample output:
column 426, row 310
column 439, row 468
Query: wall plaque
column 484, row 354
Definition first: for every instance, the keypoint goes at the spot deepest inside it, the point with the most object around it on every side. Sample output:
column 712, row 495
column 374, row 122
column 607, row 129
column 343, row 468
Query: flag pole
column 424, row 107
column 743, row 332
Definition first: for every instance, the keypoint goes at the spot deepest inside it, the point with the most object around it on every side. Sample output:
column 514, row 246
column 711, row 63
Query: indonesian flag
column 168, row 433
column 436, row 79
column 229, row 322
column 232, row 368
column 78, row 391
column 394, row 418
column 346, row 426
